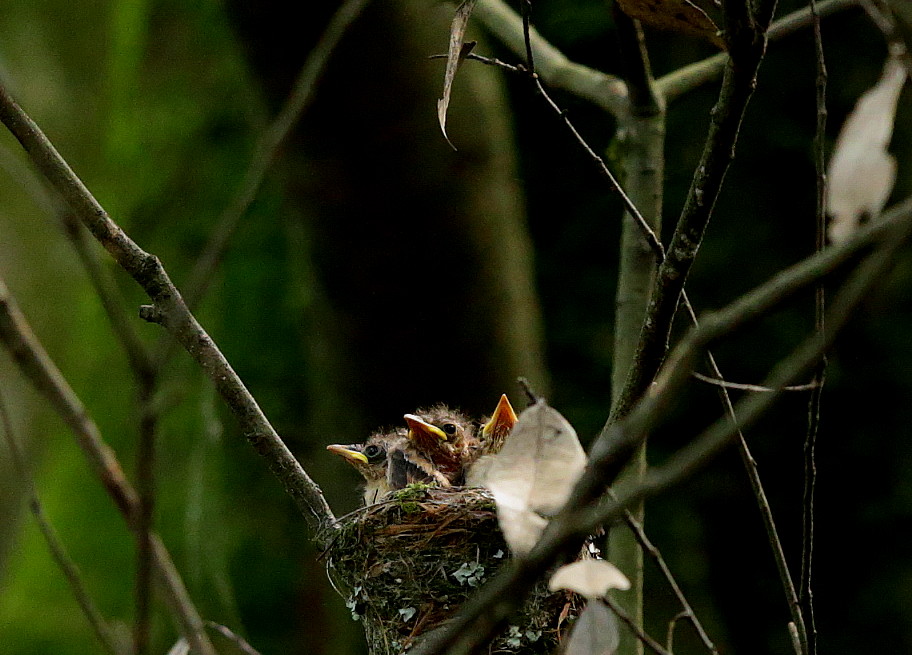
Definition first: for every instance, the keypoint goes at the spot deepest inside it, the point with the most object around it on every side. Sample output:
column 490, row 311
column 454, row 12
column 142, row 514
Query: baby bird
column 445, row 437
column 439, row 445
column 385, row 463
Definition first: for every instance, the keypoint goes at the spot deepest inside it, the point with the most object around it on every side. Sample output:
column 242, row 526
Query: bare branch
column 267, row 148
column 644, row 638
column 637, row 528
column 805, row 593
column 41, row 371
column 168, row 303
column 486, row 613
column 746, row 46
column 687, row 78
column 605, row 91
column 61, row 557
column 741, row 386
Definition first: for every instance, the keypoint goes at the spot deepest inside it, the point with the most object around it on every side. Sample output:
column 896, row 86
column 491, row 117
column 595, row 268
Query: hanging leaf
column 456, row 53
column 591, row 578
column 594, row 633
column 681, row 16
column 862, row 172
column 533, row 474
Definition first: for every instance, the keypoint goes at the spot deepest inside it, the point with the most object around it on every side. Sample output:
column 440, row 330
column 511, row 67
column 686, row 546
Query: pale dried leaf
column 591, row 578
column 681, row 16
column 181, row 647
column 533, row 474
column 862, row 172
column 520, row 526
column 456, row 53
column 594, row 633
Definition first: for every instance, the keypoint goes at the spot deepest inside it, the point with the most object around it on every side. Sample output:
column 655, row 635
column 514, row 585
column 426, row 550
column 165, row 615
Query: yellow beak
column 422, row 431
column 349, row 453
column 502, row 421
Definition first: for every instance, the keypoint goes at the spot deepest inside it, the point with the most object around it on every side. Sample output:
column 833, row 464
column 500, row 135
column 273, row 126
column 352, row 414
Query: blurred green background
column 379, row 271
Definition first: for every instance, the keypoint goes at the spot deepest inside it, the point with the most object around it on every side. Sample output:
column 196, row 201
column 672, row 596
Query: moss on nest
column 407, row 563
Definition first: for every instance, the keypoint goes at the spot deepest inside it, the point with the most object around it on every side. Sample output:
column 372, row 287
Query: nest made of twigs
column 407, row 563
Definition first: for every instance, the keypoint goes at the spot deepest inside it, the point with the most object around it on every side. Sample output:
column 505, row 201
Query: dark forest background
column 379, row 271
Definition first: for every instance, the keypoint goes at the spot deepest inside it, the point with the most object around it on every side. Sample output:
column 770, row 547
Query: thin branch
column 112, row 300
column 67, row 566
column 647, row 231
column 741, row 386
column 740, row 77
column 268, row 147
column 486, row 613
column 805, row 593
column 643, row 135
column 37, row 366
column 688, row 78
column 171, row 312
column 605, row 91
column 145, row 483
column 637, row 528
column 644, row 638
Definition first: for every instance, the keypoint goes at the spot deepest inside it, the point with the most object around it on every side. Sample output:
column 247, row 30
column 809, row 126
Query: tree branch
column 67, row 566
column 688, row 78
column 605, row 91
column 173, row 312
column 747, row 47
column 41, row 371
column 486, row 613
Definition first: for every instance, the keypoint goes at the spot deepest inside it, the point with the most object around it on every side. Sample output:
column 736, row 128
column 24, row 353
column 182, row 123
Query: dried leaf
column 533, row 474
column 681, row 16
column 862, row 172
column 180, row 647
column 456, row 53
column 591, row 578
column 594, row 633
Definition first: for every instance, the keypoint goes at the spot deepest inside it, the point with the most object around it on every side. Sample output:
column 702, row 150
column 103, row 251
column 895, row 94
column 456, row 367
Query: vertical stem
column 806, row 597
column 644, row 132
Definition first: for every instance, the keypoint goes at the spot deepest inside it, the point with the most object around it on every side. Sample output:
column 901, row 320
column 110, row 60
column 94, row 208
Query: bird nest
column 407, row 563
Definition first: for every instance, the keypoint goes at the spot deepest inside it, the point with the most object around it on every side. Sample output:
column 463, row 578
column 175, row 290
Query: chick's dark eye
column 449, row 428
column 373, row 451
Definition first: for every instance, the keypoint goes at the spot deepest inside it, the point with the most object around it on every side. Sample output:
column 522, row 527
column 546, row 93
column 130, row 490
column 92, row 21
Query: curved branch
column 605, row 91
column 41, row 371
column 687, row 78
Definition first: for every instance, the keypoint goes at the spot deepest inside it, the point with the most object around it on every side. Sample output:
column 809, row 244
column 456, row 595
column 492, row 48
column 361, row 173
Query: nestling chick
column 445, row 437
column 387, row 462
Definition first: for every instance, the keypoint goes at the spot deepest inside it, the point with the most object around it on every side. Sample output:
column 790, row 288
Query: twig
column 637, row 528
column 605, row 91
column 67, row 566
column 688, row 78
column 644, row 638
column 746, row 47
column 174, row 315
column 268, row 147
column 741, row 386
column 669, row 635
column 648, row 232
column 41, row 371
column 242, row 644
column 805, row 593
column 483, row 615
column 145, row 483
